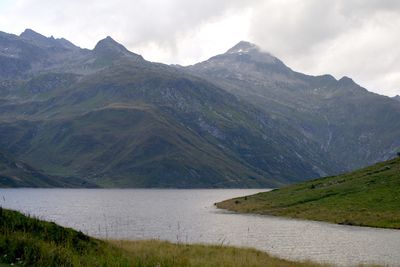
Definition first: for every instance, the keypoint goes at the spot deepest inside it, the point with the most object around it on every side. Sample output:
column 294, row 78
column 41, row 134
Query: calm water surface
column 189, row 216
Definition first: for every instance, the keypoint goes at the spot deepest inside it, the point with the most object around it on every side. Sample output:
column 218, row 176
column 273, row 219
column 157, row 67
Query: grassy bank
column 158, row 253
column 31, row 242
column 367, row 197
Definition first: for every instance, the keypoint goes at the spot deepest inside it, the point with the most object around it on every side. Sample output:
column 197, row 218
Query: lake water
column 189, row 216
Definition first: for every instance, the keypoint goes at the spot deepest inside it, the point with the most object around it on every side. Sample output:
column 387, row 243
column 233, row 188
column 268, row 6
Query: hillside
column 367, row 197
column 27, row 241
column 110, row 116
column 15, row 173
column 241, row 119
column 353, row 127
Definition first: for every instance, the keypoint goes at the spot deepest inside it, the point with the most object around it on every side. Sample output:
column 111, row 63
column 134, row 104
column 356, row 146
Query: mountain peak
column 112, row 49
column 109, row 39
column 243, row 47
column 110, row 43
column 253, row 52
column 346, row 81
column 32, row 35
column 41, row 40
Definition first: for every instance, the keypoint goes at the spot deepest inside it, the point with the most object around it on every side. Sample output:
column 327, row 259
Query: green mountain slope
column 367, row 197
column 120, row 120
column 241, row 119
column 15, row 173
column 130, row 146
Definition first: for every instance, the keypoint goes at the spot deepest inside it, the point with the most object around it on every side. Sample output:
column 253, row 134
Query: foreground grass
column 367, row 197
column 158, row 253
column 32, row 242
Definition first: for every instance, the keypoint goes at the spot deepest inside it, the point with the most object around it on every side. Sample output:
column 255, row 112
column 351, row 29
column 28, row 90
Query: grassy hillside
column 129, row 146
column 367, row 197
column 111, row 117
column 30, row 242
column 15, row 173
column 147, row 126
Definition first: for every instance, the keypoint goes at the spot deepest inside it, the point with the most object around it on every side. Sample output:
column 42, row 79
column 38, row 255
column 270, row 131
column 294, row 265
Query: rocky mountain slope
column 350, row 124
column 110, row 116
column 241, row 119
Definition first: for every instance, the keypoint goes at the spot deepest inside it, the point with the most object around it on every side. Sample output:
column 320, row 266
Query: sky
column 355, row 38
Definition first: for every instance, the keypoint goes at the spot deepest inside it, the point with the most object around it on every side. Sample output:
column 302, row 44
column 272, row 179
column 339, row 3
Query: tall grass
column 32, row 242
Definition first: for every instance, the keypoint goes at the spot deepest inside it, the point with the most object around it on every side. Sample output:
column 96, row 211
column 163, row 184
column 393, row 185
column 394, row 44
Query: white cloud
column 344, row 38
column 356, row 38
column 211, row 38
column 133, row 22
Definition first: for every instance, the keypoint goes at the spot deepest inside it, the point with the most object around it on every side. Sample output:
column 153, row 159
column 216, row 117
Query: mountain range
column 239, row 119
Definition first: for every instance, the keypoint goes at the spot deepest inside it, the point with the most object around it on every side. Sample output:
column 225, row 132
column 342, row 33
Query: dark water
column 189, row 216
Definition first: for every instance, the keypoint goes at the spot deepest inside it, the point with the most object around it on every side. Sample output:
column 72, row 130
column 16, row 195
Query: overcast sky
column 356, row 38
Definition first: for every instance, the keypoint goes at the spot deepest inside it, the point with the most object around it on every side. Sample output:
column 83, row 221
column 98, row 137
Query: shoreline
column 29, row 241
column 217, row 205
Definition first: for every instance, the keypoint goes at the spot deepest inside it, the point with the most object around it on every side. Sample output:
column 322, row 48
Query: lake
column 189, row 216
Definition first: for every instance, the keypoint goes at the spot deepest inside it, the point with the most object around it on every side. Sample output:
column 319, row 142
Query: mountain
column 43, row 41
column 366, row 197
column 352, row 126
column 109, row 50
column 14, row 173
column 241, row 119
column 397, row 97
column 109, row 116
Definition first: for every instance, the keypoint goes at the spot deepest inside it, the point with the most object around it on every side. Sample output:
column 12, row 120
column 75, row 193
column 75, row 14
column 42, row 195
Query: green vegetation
column 15, row 173
column 27, row 241
column 237, row 120
column 110, row 117
column 367, row 197
column 31, row 242
column 158, row 253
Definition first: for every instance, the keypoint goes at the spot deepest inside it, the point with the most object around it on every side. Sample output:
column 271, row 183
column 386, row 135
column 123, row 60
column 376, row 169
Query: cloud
column 160, row 29
column 135, row 22
column 356, row 38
